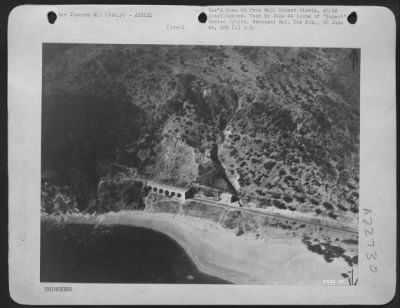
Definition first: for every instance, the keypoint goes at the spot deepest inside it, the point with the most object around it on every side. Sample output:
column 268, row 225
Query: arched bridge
column 169, row 191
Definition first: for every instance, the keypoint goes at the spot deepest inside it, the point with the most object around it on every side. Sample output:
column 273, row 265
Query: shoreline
column 220, row 253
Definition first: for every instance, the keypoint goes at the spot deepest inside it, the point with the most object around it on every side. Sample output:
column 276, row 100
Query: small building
column 206, row 192
column 229, row 199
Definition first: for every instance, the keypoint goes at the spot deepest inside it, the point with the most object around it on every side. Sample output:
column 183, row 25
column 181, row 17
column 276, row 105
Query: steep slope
column 279, row 126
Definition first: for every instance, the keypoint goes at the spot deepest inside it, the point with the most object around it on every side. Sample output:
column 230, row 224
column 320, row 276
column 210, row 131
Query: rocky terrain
column 278, row 127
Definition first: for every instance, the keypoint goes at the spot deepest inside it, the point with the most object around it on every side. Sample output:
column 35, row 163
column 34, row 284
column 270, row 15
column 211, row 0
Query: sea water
column 114, row 254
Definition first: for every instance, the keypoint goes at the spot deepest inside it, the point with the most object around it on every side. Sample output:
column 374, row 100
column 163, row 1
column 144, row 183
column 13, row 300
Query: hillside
column 277, row 126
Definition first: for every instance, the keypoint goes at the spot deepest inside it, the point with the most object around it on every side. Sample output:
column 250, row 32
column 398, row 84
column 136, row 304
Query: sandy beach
column 219, row 252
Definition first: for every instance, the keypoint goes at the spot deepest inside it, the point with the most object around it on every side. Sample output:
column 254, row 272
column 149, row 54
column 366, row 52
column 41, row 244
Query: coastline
column 220, row 253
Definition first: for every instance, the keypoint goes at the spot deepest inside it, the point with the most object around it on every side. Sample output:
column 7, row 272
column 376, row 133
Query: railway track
column 279, row 216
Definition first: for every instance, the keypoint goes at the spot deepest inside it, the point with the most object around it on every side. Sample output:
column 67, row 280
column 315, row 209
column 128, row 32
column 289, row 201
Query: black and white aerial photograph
column 200, row 164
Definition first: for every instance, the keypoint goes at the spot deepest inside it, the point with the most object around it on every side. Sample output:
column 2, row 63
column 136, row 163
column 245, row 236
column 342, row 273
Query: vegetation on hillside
column 283, row 123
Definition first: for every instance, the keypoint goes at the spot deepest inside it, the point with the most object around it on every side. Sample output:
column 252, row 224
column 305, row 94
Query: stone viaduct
column 181, row 193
